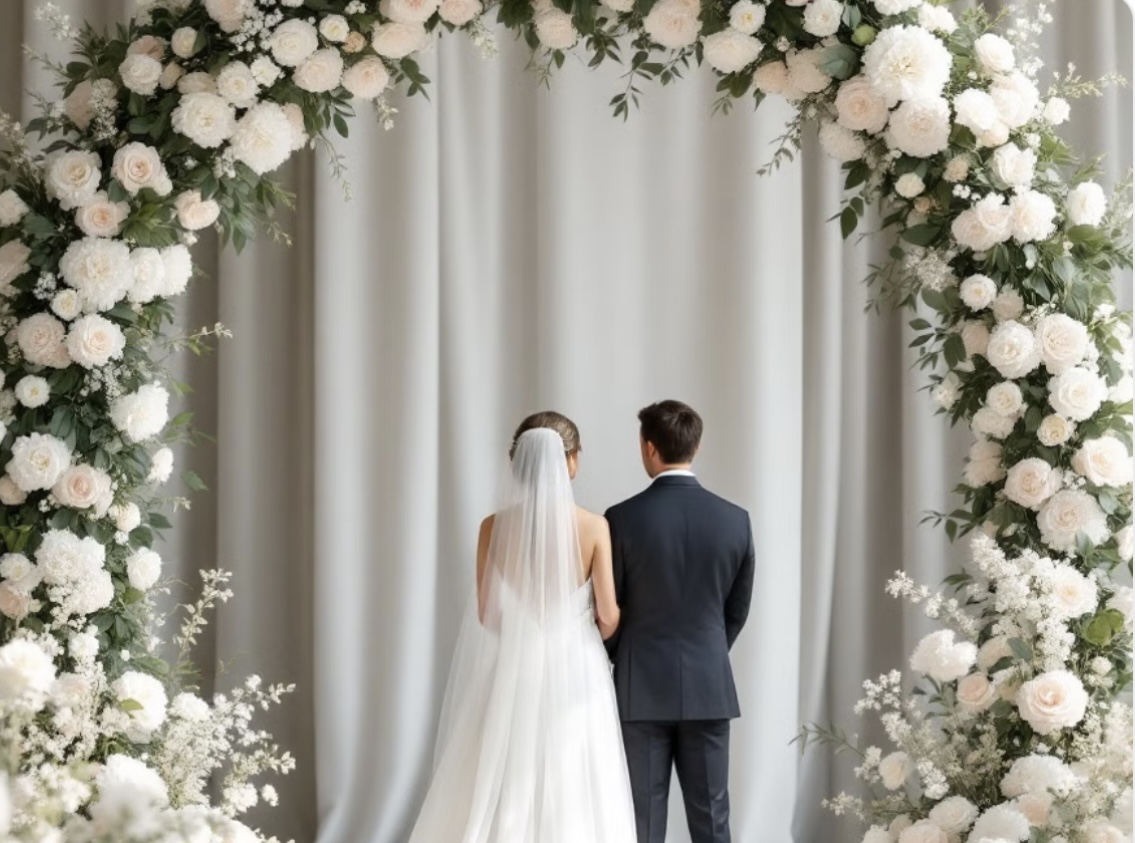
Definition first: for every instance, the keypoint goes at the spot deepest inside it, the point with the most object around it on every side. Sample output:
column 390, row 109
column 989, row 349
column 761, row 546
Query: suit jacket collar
column 675, row 480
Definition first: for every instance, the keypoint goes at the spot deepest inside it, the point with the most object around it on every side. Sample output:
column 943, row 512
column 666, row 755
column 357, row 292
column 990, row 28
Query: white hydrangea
column 909, row 185
column 987, row 422
column 142, row 414
column 65, row 558
column 772, row 78
column 907, row 63
column 187, row 706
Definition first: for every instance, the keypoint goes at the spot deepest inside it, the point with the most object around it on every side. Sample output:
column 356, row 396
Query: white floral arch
column 173, row 124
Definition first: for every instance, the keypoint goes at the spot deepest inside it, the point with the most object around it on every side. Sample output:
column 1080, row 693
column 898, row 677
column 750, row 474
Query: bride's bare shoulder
column 590, row 522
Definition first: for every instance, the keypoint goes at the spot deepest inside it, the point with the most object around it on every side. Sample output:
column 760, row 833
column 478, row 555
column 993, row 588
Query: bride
column 529, row 747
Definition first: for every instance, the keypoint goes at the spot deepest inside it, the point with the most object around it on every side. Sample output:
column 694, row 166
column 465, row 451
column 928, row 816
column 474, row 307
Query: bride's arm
column 482, row 565
column 603, row 579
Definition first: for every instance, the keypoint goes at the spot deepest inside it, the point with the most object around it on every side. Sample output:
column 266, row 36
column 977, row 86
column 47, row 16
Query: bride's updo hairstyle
column 558, row 422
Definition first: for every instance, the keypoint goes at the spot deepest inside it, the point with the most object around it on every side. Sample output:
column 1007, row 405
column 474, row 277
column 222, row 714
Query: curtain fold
column 508, row 249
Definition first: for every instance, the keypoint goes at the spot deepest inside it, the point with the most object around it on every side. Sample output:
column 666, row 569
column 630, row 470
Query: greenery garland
column 174, row 123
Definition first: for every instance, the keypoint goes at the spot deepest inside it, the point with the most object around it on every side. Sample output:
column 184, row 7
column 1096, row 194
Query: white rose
column 895, row 769
column 179, row 269
column 73, row 177
column 907, row 63
column 1013, row 350
column 38, row 461
column 1052, row 701
column 32, row 391
column 10, row 493
column 909, row 185
column 1124, row 541
column 367, row 78
column 924, row 831
column 746, row 16
column 12, row 208
column 236, row 84
column 293, row 41
column 161, row 466
column 984, row 225
column 142, row 414
column 1072, row 594
column 321, row 72
column 772, row 78
column 1055, row 430
column 937, row 19
column 184, row 42
column 398, row 40
column 1015, row 167
column 1086, row 204
column 460, row 12
column 195, row 213
column 1077, row 393
column 41, row 339
column 1063, row 342
column 265, row 71
column 1005, row 399
column 81, row 487
column 975, row 694
column 1016, row 98
column 99, row 269
column 263, row 138
column 335, row 28
column 1056, row 111
column 1033, row 216
column 13, row 263
column 1104, row 462
column 138, row 166
column 94, row 341
column 822, row 17
column 994, row 54
column 839, row 143
column 804, row 70
column 127, row 517
column 140, row 74
column 986, row 422
column 860, row 107
column 730, row 51
column 228, row 13
column 1008, row 305
column 99, row 217
column 1066, row 515
column 978, row 292
column 149, row 275
column 143, row 569
column 197, row 83
column 673, row 24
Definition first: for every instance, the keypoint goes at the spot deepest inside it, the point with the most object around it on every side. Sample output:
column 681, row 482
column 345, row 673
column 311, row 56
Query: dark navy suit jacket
column 683, row 562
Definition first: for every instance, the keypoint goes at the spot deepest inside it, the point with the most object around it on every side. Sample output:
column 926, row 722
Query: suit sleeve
column 741, row 594
column 618, row 568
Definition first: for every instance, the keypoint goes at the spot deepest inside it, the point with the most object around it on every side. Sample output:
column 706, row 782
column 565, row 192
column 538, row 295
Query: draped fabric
column 509, row 249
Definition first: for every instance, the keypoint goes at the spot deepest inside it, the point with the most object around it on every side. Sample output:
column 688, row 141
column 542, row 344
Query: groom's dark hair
column 673, row 428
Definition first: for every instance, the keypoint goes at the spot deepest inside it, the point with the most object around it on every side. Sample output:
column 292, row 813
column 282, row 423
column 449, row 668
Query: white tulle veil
column 519, row 755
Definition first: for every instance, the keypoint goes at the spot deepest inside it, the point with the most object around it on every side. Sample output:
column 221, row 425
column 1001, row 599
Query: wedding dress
column 529, row 747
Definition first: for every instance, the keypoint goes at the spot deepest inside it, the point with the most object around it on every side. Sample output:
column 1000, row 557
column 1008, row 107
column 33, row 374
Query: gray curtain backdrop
column 508, row 249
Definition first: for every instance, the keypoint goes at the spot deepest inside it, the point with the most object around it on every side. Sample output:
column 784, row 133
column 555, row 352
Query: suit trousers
column 699, row 751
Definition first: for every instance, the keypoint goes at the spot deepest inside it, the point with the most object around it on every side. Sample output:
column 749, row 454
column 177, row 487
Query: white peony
column 64, row 558
column 987, row 422
column 1066, row 515
column 1001, row 822
column 41, row 339
column 127, row 517
column 1014, row 167
column 1086, row 204
column 149, row 275
column 99, row 217
column 1063, row 342
column 73, row 177
column 730, row 51
column 1077, row 393
column 1052, row 701
column 909, row 185
column 1005, row 399
column 804, row 71
column 12, row 208
column 161, row 466
column 994, row 54
column 32, row 391
column 195, row 213
column 94, row 341
column 149, row 693
column 822, row 17
column 924, row 831
column 1071, row 593
column 1038, row 774
column 398, row 40
column 772, row 78
column 140, row 73
column 1055, row 430
column 265, row 71
column 1032, row 216
column 556, row 30
column 143, row 569
column 138, row 167
column 978, row 292
column 335, row 28
column 13, row 263
column 367, row 78
column 205, row 118
column 1056, row 111
column 197, row 83
column 1013, row 350
column 38, row 461
column 179, row 269
column 975, row 694
column 321, row 72
column 26, row 671
column 954, row 815
column 907, row 63
column 937, row 19
column 99, row 270
column 942, row 658
column 1104, row 462
column 142, row 414
column 860, row 107
column 746, row 16
column 1031, row 482
column 461, row 12
column 673, row 24
column 263, row 138
column 82, row 487
column 236, row 84
column 984, row 225
column 920, row 127
column 840, row 143
column 1016, row 98
column 983, row 465
column 895, row 769
column 184, row 42
column 229, row 14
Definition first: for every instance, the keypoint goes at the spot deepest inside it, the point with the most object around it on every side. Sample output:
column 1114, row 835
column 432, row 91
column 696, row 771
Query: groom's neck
column 679, row 466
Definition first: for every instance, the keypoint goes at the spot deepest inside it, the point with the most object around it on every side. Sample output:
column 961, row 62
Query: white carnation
column 99, row 269
column 184, row 42
column 860, row 107
column 1013, row 350
column 38, row 461
column 994, row 54
column 822, row 17
column 730, row 51
column 673, row 24
column 909, row 185
column 746, row 16
column 907, row 63
column 140, row 74
column 840, row 143
column 139, row 167
column 1077, row 393
column 12, row 208
column 263, row 138
column 1038, row 774
column 32, row 391
column 984, row 464
column 73, row 177
column 143, row 568
column 1001, row 822
column 205, row 118
column 1104, row 462
column 978, row 292
column 1033, row 216
column 1086, row 204
column 94, row 341
column 265, row 71
column 236, row 84
column 942, row 658
column 895, row 769
column 143, row 414
column 367, row 78
column 1066, row 515
column 179, row 269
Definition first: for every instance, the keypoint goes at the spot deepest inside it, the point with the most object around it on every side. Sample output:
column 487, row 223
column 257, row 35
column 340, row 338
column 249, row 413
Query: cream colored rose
column 40, row 338
column 13, row 263
column 10, row 493
column 148, row 45
column 459, row 12
column 1104, row 462
column 1031, row 482
column 94, row 341
column 673, row 23
column 14, row 602
column 81, row 487
column 73, row 177
column 1055, row 430
column 1069, row 513
column 1063, row 342
column 895, row 769
column 367, row 78
column 1013, row 350
column 184, row 42
column 994, row 54
column 408, row 11
column 293, row 41
column 730, row 51
column 99, row 217
column 138, row 166
column 321, row 72
column 975, row 693
column 398, row 40
column 1005, row 399
column 1077, row 393
column 140, row 74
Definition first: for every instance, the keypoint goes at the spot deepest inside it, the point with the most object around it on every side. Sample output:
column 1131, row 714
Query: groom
column 683, row 561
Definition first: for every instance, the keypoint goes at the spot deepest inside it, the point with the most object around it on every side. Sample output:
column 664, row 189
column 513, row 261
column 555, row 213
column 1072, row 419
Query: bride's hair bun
column 551, row 420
